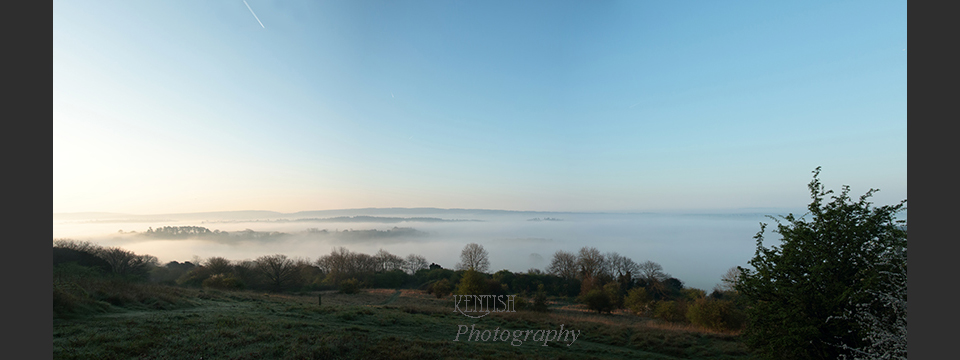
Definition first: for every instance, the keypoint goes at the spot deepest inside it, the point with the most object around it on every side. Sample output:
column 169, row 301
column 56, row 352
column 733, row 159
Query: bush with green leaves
column 540, row 300
column 350, row 286
column 225, row 282
column 598, row 300
column 638, row 300
column 836, row 285
column 672, row 311
column 441, row 288
column 719, row 315
column 472, row 283
column 612, row 289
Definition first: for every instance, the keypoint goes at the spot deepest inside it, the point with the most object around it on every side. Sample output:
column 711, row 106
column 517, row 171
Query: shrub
column 836, row 284
column 638, row 300
column 598, row 300
column 693, row 294
column 717, row 315
column 220, row 281
column 540, row 300
column 672, row 311
column 472, row 283
column 441, row 288
column 350, row 286
column 612, row 290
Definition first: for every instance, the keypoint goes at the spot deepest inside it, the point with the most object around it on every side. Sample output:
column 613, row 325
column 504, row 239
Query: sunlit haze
column 165, row 107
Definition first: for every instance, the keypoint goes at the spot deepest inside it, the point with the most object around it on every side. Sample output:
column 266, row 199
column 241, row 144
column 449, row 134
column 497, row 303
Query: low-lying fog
column 695, row 248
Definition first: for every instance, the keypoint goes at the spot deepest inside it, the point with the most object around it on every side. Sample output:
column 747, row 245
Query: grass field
column 376, row 323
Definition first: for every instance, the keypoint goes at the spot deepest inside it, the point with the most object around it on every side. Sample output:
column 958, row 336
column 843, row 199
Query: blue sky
column 183, row 106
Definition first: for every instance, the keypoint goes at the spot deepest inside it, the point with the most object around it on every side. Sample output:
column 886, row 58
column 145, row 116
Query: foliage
column 672, row 311
column 392, row 279
column 350, row 286
column 598, row 300
column 719, row 315
column 804, row 294
column 472, row 283
column 638, row 300
column 693, row 294
column 441, row 288
column 540, row 300
column 221, row 281
column 612, row 289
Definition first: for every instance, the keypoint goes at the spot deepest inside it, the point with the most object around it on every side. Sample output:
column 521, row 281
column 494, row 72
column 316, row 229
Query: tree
column 846, row 260
column 729, row 279
column 414, row 263
column 651, row 271
column 219, row 265
column 474, row 257
column 387, row 261
column 126, row 263
column 564, row 265
column 441, row 288
column 638, row 301
column 590, row 262
column 278, row 270
column 472, row 283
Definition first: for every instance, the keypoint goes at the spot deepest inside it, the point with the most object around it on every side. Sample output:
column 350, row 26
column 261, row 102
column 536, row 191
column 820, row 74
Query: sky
column 192, row 106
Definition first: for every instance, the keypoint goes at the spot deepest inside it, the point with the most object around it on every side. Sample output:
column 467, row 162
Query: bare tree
column 278, row 270
column 622, row 266
column 590, row 262
column 218, row 265
column 729, row 279
column 652, row 272
column 387, row 261
column 474, row 257
column 336, row 265
column 84, row 246
column 124, row 262
column 414, row 263
column 246, row 271
column 564, row 265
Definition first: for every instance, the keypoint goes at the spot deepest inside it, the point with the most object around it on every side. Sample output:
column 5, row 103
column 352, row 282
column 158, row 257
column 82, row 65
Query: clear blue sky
column 182, row 106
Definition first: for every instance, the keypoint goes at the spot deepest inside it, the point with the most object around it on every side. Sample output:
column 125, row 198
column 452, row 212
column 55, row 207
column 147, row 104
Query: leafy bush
column 612, row 290
column 220, row 281
column 472, row 283
column 693, row 294
column 350, row 286
column 672, row 311
column 719, row 315
column 598, row 300
column 835, row 286
column 441, row 288
column 540, row 300
column 638, row 300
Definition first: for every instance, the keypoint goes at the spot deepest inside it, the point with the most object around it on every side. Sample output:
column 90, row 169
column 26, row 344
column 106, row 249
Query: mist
column 695, row 248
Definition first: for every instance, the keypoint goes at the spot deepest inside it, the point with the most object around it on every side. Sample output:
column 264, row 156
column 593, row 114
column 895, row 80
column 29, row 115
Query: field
column 376, row 323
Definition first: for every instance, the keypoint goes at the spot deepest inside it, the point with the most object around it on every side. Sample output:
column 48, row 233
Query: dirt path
column 392, row 298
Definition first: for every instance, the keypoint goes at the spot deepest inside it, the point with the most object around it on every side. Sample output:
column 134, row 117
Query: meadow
column 121, row 320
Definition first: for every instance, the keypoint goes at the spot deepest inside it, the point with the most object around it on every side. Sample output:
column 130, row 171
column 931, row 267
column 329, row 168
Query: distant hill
column 385, row 215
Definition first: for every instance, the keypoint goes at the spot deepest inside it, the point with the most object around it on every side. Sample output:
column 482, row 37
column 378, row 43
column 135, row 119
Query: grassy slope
column 380, row 324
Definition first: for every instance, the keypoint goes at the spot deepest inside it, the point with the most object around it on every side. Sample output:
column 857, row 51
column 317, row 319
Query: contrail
column 254, row 14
